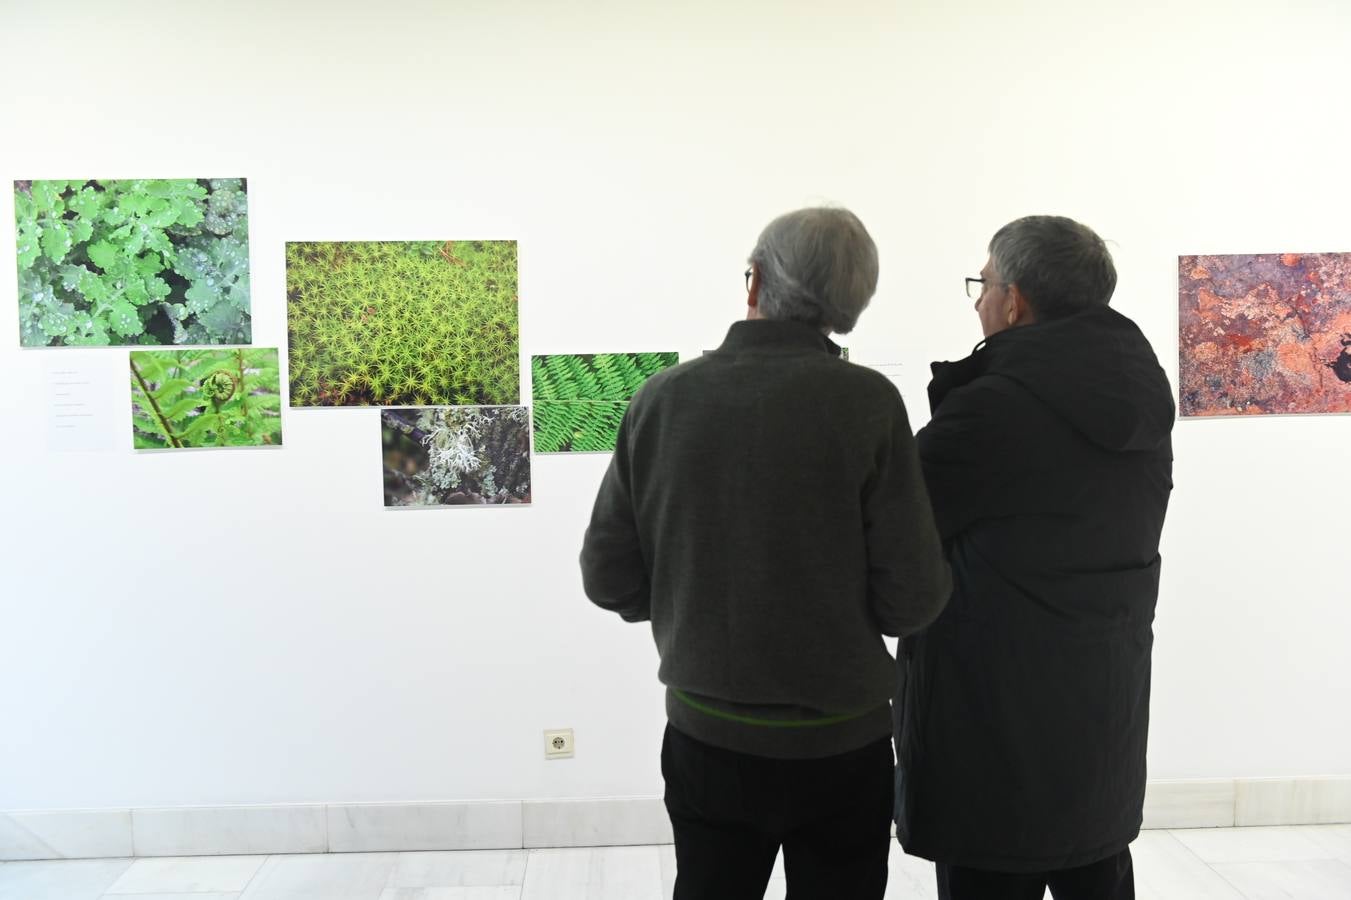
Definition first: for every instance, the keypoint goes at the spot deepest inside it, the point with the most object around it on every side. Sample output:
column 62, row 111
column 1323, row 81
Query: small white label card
column 890, row 369
column 82, row 402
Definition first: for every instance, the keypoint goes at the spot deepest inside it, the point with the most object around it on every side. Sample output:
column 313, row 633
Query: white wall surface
column 253, row 626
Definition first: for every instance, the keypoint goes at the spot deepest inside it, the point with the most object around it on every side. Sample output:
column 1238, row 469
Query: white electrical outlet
column 559, row 744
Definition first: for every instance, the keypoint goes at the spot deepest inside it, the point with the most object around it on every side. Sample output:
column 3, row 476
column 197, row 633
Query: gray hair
column 1061, row 266
column 817, row 266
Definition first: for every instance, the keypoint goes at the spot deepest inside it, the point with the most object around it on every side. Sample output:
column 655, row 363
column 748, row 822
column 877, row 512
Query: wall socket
column 559, row 744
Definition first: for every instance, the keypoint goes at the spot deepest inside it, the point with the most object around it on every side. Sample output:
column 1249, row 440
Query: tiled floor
column 1300, row 862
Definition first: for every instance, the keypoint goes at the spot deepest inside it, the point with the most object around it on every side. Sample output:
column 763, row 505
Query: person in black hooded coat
column 1023, row 711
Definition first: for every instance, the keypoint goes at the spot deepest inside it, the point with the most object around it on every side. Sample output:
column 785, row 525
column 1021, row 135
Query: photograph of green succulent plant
column 579, row 400
column 463, row 456
column 133, row 261
column 403, row 323
column 205, row 398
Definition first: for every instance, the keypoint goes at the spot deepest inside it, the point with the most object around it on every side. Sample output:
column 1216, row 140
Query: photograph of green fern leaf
column 579, row 400
column 462, row 456
column 403, row 323
column 205, row 398
column 133, row 261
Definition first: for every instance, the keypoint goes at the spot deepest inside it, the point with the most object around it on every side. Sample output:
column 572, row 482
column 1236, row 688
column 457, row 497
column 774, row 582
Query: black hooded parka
column 1023, row 712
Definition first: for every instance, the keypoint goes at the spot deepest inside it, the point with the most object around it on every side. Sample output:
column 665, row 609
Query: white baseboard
column 66, row 834
column 515, row 824
column 229, row 830
column 1292, row 801
column 596, row 823
column 1205, row 803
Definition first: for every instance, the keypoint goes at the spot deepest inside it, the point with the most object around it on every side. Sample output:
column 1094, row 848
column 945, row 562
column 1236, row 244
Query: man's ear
column 1019, row 311
column 753, row 294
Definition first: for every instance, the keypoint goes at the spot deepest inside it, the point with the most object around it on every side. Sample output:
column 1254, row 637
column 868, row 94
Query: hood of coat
column 1096, row 370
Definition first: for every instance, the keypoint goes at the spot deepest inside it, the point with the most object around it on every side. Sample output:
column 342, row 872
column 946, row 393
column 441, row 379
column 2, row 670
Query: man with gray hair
column 765, row 510
column 1025, row 713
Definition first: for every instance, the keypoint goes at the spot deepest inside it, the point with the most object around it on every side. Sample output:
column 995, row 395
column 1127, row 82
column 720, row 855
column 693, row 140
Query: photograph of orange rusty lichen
column 1264, row 334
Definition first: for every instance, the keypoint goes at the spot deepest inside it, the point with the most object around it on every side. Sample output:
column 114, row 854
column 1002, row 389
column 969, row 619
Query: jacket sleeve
column 908, row 580
column 966, row 451
column 614, row 573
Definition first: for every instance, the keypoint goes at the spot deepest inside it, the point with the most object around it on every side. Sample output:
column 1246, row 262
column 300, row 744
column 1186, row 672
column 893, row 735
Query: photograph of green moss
column 456, row 457
column 133, row 262
column 579, row 401
column 403, row 323
column 205, row 398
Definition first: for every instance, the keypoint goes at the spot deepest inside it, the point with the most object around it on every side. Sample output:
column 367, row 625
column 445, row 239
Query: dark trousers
column 732, row 811
column 1109, row 879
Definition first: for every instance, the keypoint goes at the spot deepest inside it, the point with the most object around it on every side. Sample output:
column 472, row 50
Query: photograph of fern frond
column 403, row 323
column 579, row 400
column 463, row 456
column 205, row 398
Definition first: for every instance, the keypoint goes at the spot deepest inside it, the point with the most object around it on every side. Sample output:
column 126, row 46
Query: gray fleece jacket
column 765, row 510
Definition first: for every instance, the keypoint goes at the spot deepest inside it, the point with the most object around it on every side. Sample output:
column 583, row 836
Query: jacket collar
column 774, row 333
column 948, row 376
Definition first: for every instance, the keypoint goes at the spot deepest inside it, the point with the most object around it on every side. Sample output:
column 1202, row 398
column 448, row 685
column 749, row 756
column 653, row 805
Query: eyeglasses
column 749, row 271
column 976, row 286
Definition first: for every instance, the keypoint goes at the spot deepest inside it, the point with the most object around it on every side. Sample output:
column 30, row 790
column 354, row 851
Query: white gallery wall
column 253, row 626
